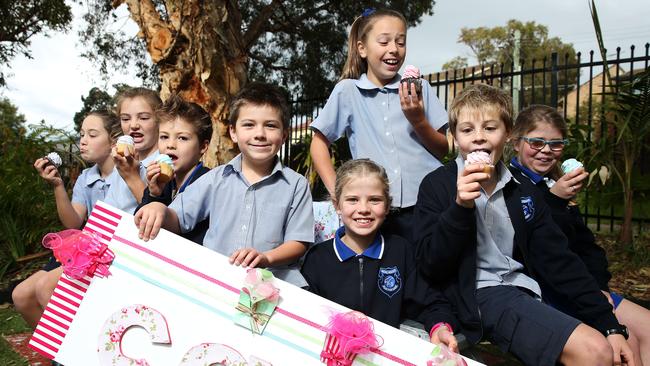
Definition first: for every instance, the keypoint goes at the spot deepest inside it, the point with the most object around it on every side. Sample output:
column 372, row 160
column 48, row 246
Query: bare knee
column 586, row 346
column 23, row 295
column 46, row 285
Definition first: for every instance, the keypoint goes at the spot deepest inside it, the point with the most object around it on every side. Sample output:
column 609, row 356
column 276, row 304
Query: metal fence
column 576, row 86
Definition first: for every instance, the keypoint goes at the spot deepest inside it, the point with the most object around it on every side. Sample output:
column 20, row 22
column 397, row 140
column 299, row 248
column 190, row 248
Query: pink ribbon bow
column 80, row 253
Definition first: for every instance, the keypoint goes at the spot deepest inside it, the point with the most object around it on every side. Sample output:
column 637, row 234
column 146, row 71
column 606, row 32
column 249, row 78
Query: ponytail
column 355, row 65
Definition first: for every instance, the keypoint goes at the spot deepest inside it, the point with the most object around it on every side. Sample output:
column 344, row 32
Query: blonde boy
column 489, row 241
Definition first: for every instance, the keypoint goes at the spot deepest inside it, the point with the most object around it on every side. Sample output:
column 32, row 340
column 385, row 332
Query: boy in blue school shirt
column 489, row 241
column 260, row 211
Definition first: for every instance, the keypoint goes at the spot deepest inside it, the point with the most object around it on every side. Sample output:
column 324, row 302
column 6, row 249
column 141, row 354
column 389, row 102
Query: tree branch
column 258, row 26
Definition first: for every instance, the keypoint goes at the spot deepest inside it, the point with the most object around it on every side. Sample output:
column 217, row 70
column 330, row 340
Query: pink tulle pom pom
column 349, row 334
column 80, row 253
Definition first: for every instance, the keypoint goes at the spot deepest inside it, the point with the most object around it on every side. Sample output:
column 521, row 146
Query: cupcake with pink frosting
column 412, row 76
column 481, row 157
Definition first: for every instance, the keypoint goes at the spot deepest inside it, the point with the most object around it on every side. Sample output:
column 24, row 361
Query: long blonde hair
column 355, row 65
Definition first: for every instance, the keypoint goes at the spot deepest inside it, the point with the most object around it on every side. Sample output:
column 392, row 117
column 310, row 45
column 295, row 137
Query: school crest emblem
column 389, row 280
column 528, row 207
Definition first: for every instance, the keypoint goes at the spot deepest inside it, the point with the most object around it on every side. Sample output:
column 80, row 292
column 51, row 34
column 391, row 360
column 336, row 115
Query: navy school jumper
column 446, row 250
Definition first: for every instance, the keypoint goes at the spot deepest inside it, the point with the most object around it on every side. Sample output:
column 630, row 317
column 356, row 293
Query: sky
column 50, row 85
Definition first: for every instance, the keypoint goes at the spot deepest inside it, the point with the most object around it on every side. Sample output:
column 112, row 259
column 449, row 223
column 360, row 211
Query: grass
column 11, row 323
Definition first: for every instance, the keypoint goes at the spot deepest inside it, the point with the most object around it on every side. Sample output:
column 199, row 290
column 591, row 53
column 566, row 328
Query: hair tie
column 368, row 11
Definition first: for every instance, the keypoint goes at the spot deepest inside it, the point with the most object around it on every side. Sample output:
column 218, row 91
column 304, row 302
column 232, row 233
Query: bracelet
column 438, row 325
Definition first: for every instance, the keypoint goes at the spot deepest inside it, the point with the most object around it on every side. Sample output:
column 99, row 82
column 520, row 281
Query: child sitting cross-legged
column 368, row 271
column 489, row 241
column 260, row 211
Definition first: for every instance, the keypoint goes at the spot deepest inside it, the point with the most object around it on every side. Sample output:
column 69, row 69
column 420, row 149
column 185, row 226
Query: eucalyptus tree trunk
column 202, row 55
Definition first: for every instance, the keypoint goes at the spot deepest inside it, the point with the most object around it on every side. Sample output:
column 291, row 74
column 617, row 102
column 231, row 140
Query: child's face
column 362, row 206
column 179, row 140
column 258, row 133
column 384, row 49
column 481, row 130
column 95, row 142
column 138, row 121
column 539, row 161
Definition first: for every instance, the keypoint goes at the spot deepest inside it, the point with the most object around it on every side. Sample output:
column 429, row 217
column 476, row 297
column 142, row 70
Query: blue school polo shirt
column 263, row 215
column 374, row 123
column 90, row 187
column 120, row 196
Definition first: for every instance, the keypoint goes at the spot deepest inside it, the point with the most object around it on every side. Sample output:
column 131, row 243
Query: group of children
column 499, row 254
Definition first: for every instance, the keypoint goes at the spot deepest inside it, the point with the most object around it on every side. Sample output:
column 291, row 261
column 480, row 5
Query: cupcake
column 481, row 157
column 166, row 168
column 570, row 165
column 125, row 143
column 412, row 76
column 54, row 159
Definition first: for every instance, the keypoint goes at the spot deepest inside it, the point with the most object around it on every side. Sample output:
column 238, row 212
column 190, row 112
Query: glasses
column 538, row 144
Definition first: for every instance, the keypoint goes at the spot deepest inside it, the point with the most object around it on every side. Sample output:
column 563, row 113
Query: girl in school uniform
column 399, row 128
column 99, row 130
column 365, row 269
column 539, row 137
column 136, row 109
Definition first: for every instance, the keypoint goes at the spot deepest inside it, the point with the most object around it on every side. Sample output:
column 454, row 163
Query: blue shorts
column 512, row 319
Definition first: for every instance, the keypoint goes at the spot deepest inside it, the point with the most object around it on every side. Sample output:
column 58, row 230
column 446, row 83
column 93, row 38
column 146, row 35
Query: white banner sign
column 172, row 302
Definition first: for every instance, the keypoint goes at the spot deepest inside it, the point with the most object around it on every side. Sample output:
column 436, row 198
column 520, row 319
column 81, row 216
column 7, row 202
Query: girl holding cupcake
column 99, row 131
column 137, row 148
column 539, row 137
column 384, row 119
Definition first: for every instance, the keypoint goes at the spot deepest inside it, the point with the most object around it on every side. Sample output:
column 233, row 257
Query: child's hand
column 155, row 187
column 127, row 165
column 412, row 105
column 249, row 257
column 569, row 184
column 445, row 336
column 469, row 186
column 149, row 219
column 48, row 172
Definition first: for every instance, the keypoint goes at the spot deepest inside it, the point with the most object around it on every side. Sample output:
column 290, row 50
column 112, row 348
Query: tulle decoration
column 348, row 334
column 259, row 285
column 80, row 253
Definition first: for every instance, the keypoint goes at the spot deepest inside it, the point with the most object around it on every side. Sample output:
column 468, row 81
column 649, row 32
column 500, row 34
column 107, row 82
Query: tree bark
column 197, row 46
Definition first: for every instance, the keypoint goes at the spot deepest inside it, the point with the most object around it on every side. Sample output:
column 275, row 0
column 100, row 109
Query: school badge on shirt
column 389, row 280
column 529, row 207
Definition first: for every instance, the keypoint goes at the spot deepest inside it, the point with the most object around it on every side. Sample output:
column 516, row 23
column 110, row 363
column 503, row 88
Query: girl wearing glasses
column 539, row 137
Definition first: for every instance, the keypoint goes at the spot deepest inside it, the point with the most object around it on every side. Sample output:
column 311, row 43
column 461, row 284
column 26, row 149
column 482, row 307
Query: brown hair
column 360, row 168
column 110, row 121
column 481, row 97
column 192, row 113
column 260, row 94
column 355, row 65
column 151, row 97
column 530, row 117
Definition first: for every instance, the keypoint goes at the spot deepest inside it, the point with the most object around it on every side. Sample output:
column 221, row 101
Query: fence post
column 554, row 82
column 516, row 77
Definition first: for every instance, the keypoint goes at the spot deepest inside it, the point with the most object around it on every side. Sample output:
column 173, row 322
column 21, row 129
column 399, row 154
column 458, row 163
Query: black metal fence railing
column 575, row 85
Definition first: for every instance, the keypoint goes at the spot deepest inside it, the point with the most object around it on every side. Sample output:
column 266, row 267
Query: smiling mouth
column 391, row 62
column 364, row 221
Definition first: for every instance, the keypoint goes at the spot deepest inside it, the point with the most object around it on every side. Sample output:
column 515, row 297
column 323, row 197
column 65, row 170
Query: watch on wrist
column 622, row 330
